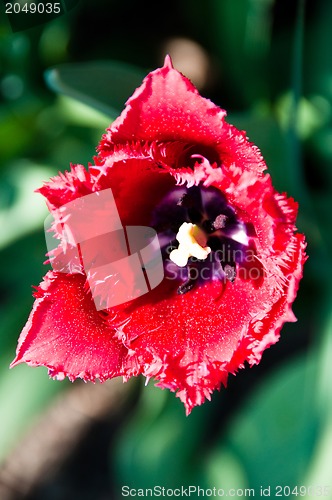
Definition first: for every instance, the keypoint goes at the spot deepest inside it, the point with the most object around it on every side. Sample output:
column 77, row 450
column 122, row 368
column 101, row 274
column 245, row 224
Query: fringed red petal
column 66, row 334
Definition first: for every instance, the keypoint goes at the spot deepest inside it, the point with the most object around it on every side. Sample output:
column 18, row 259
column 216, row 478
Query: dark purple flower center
column 206, row 213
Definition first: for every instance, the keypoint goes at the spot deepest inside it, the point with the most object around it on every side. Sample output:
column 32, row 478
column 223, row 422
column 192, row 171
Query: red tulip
column 232, row 258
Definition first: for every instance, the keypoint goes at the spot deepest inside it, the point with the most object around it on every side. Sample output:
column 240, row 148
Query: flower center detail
column 200, row 236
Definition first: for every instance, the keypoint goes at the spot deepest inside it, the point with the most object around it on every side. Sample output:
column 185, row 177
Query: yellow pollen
column 192, row 241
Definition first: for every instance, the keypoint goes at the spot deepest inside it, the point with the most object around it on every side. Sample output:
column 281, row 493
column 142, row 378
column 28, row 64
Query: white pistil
column 192, row 241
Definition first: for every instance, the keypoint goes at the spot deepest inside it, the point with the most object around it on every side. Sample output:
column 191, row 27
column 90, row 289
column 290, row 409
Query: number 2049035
column 33, row 8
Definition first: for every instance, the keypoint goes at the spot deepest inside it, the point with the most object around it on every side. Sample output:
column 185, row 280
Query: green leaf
column 159, row 445
column 223, row 470
column 241, row 34
column 103, row 85
column 275, row 433
column 24, row 393
column 21, row 209
column 319, row 471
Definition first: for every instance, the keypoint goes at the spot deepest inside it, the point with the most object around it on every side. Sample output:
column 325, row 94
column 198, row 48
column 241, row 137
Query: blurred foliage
column 270, row 66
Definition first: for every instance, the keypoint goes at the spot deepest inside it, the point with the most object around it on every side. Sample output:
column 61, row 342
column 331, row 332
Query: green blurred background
column 269, row 63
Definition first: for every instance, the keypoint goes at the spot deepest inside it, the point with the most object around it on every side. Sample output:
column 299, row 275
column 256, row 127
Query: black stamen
column 230, row 272
column 190, row 283
column 219, row 222
column 180, row 203
column 186, row 201
column 192, row 202
column 212, row 226
column 207, row 226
